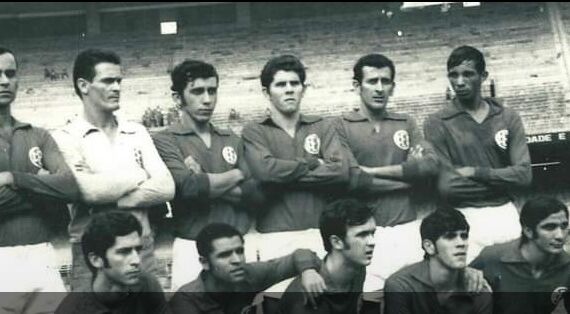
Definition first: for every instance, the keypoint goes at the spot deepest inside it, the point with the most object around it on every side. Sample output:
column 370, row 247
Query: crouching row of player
column 527, row 275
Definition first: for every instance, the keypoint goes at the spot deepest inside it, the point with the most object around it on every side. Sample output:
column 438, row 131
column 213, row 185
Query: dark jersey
column 387, row 146
column 192, row 207
column 411, row 290
column 289, row 170
column 496, row 148
column 42, row 183
column 515, row 289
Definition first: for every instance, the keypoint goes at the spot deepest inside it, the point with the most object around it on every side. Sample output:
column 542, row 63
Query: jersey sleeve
column 58, row 182
column 264, row 166
column 519, row 173
column 397, row 297
column 189, row 185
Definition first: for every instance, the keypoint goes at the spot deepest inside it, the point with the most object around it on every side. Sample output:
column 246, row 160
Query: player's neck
column 341, row 271
column 98, row 118
column 442, row 277
column 199, row 127
column 286, row 122
column 107, row 290
column 373, row 115
column 214, row 284
column 472, row 105
column 535, row 256
column 478, row 110
column 5, row 117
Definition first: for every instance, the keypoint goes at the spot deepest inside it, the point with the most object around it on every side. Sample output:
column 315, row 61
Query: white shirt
column 124, row 173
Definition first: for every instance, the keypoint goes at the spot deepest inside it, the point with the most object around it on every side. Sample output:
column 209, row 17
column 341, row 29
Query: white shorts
column 278, row 244
column 28, row 271
column 490, row 225
column 185, row 263
column 396, row 247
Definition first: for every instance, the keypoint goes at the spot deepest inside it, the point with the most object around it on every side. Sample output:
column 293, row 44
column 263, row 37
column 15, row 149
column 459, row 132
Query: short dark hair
column 102, row 231
column 282, row 63
column 188, row 71
column 341, row 214
column 372, row 60
column 466, row 53
column 445, row 219
column 85, row 62
column 4, row 50
column 212, row 232
column 537, row 209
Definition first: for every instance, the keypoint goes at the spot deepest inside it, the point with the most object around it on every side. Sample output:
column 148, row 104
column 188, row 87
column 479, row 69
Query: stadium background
column 525, row 45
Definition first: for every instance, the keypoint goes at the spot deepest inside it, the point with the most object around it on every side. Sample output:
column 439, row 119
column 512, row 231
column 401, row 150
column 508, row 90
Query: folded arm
column 96, row 188
column 158, row 187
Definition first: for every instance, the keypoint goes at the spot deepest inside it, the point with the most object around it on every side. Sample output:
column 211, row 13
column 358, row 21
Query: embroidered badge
column 312, row 144
column 402, row 139
column 138, row 157
column 230, row 155
column 35, row 154
column 557, row 294
column 502, row 138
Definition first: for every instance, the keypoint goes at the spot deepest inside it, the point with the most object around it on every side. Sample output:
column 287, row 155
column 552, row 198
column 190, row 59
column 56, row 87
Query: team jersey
column 125, row 172
column 336, row 300
column 192, row 207
column 296, row 183
column 515, row 289
column 387, row 146
column 42, row 183
column 496, row 148
column 145, row 298
column 208, row 295
column 411, row 290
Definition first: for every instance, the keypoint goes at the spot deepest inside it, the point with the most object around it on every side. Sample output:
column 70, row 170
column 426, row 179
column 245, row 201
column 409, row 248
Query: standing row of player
column 281, row 174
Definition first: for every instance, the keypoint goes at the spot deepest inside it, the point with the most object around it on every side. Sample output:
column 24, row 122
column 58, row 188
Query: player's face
column 376, row 87
column 285, row 92
column 123, row 260
column 359, row 243
column 551, row 233
column 226, row 261
column 8, row 79
column 451, row 249
column 466, row 81
column 104, row 91
column 199, row 99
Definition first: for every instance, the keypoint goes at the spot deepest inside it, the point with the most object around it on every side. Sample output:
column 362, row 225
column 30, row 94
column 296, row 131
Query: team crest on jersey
column 557, row 294
column 502, row 138
column 312, row 144
column 35, row 154
column 402, row 139
column 230, row 155
column 138, row 157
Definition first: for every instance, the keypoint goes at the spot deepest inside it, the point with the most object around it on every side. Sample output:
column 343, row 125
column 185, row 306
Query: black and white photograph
column 284, row 157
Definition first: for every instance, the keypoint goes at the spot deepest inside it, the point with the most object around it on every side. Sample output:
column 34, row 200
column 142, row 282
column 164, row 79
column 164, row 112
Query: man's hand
column 6, row 178
column 192, row 164
column 466, row 172
column 416, row 152
column 233, row 196
column 367, row 169
column 475, row 281
column 313, row 285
